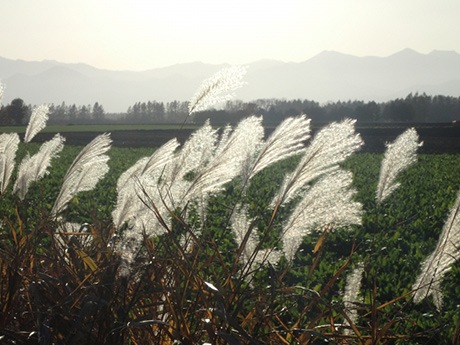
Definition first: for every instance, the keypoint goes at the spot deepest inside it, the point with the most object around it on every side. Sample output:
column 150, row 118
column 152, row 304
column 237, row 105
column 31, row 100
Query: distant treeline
column 415, row 108
column 419, row 108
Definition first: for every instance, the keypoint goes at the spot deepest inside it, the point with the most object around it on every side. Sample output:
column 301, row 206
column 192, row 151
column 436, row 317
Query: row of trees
column 18, row 113
column 157, row 112
column 413, row 108
column 77, row 114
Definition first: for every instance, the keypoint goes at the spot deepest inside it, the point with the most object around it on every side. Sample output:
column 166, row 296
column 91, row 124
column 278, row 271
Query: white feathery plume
column 229, row 158
column 440, row 261
column 286, row 140
column 90, row 174
column 216, row 88
column 153, row 216
column 129, row 194
column 131, row 210
column 146, row 165
column 329, row 202
column 248, row 243
column 127, row 205
column 8, row 146
column 331, row 146
column 214, row 166
column 85, row 171
column 34, row 168
column 127, row 177
column 350, row 296
column 224, row 137
column 195, row 153
column 37, row 122
column 399, row 155
column 161, row 157
column 176, row 177
column 164, row 186
column 138, row 206
column 2, row 89
column 241, row 224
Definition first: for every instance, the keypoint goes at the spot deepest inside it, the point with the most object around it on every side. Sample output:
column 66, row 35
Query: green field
column 394, row 238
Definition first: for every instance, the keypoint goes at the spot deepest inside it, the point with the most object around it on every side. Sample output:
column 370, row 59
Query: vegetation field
column 240, row 235
column 393, row 240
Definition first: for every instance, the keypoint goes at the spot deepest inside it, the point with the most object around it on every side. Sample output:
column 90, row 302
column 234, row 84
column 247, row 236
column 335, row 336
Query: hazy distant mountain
column 328, row 76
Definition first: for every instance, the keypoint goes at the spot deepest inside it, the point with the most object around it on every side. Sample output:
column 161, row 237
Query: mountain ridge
column 327, row 76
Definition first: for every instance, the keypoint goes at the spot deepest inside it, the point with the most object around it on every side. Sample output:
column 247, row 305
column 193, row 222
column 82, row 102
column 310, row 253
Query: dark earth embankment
column 437, row 138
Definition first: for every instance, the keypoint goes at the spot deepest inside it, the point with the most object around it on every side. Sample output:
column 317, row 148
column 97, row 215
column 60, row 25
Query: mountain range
column 328, row 76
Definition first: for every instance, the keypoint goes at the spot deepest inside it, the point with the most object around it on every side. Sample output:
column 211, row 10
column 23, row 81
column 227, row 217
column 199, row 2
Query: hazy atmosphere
column 142, row 34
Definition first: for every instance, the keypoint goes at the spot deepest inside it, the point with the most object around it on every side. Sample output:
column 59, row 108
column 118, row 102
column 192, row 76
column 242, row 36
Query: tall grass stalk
column 399, row 155
column 9, row 144
column 440, row 261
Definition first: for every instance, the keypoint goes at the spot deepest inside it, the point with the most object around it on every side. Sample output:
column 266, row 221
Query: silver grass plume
column 168, row 193
column 247, row 239
column 245, row 234
column 329, row 202
column 286, row 140
column 216, row 88
column 147, row 198
column 2, row 89
column 399, row 155
column 212, row 164
column 196, row 153
column 350, row 296
column 147, row 165
column 224, row 163
column 37, row 122
column 33, row 168
column 8, row 146
column 330, row 146
column 129, row 193
column 229, row 158
column 85, row 171
column 440, row 261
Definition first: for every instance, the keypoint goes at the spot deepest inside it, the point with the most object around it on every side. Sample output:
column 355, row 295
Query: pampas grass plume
column 37, row 122
column 350, row 296
column 129, row 202
column 286, row 140
column 217, row 88
column 34, row 168
column 2, row 89
column 440, row 261
column 399, row 155
column 329, row 202
column 86, row 170
column 331, row 146
column 8, row 146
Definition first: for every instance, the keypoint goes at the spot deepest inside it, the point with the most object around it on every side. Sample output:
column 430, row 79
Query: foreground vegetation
column 79, row 297
column 229, row 239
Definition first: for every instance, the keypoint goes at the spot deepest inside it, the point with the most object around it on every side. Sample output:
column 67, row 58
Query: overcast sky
column 143, row 34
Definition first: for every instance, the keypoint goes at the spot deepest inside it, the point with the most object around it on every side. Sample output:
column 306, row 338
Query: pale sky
column 143, row 34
